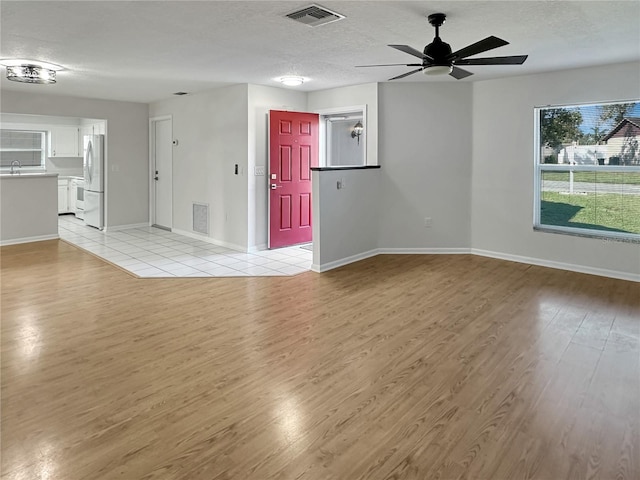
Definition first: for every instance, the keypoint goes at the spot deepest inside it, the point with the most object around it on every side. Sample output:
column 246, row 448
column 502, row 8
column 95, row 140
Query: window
column 587, row 177
column 26, row 146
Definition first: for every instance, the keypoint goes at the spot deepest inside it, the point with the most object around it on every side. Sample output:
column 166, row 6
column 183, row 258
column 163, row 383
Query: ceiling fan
column 438, row 59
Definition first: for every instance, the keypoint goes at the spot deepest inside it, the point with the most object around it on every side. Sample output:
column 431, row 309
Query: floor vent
column 201, row 218
column 314, row 16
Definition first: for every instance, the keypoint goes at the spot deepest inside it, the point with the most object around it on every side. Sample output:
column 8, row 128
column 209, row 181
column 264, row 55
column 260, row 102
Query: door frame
column 152, row 157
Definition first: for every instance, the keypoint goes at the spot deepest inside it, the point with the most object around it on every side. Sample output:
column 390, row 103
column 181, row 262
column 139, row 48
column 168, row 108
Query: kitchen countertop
column 70, row 177
column 28, row 175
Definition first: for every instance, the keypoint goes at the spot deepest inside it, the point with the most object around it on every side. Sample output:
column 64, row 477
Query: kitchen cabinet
column 64, row 141
column 63, row 196
column 73, row 193
column 68, row 194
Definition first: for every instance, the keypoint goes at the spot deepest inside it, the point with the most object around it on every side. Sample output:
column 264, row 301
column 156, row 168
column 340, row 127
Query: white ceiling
column 144, row 51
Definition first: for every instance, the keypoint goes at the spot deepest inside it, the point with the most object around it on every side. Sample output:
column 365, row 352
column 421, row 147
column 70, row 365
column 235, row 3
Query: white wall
column 211, row 129
column 261, row 100
column 502, row 185
column 127, row 146
column 425, row 152
column 366, row 94
column 345, row 222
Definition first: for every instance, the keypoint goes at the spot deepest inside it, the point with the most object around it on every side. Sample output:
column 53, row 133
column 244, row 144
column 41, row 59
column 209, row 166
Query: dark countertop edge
column 354, row 167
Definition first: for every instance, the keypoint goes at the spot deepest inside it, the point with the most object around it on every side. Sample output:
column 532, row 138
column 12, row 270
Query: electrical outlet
column 427, row 222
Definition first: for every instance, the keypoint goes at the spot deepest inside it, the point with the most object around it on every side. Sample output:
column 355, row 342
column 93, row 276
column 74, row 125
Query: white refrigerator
column 94, row 180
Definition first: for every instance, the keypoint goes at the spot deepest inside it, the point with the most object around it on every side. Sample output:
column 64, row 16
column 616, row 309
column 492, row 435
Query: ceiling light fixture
column 30, row 71
column 31, row 74
column 291, row 81
column 438, row 69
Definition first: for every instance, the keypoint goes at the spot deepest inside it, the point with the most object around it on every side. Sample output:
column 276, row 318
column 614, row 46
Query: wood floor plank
column 396, row 367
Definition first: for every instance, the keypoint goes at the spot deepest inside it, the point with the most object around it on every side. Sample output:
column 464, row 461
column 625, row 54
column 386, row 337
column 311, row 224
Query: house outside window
column 587, row 170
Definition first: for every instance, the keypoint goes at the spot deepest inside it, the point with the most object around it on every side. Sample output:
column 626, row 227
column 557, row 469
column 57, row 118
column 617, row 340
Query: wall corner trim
column 323, row 267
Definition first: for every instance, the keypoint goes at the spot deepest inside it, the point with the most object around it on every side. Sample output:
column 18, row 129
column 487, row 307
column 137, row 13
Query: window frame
column 539, row 167
column 43, row 155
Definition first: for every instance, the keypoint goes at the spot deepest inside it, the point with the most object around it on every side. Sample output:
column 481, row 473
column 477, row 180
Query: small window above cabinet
column 64, row 141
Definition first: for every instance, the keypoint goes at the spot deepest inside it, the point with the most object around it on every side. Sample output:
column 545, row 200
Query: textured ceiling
column 145, row 50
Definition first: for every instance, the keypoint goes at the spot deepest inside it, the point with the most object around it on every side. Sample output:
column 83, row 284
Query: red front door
column 293, row 150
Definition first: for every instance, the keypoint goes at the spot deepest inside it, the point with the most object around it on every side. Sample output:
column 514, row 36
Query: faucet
column 15, row 163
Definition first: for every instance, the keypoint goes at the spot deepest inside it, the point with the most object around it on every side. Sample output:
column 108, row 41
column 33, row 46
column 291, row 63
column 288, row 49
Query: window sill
column 605, row 237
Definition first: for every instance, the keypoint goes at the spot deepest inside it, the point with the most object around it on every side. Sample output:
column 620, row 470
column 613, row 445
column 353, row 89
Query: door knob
column 274, row 186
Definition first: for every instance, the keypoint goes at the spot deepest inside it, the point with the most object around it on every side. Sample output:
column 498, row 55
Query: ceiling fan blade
column 406, row 74
column 513, row 60
column 459, row 73
column 488, row 43
column 411, row 51
column 392, row 65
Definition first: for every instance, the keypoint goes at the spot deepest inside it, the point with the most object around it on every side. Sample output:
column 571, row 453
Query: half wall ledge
column 344, row 167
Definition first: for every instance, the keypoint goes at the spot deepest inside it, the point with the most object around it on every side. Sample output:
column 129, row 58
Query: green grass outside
column 628, row 178
column 610, row 211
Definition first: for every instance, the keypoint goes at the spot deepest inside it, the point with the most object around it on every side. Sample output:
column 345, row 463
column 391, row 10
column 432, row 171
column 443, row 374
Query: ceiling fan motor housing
column 439, row 51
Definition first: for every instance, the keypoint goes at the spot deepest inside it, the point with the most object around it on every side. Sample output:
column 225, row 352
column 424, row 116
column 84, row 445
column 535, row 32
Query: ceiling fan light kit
column 437, row 58
column 433, row 70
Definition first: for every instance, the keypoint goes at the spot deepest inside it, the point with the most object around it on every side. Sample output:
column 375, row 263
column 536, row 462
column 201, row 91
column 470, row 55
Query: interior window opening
column 343, row 139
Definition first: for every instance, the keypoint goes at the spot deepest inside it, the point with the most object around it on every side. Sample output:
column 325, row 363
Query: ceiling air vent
column 314, row 16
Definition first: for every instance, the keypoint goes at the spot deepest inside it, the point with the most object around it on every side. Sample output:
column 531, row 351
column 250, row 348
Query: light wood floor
column 397, row 367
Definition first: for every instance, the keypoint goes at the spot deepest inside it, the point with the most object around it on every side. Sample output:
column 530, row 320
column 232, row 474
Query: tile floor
column 153, row 252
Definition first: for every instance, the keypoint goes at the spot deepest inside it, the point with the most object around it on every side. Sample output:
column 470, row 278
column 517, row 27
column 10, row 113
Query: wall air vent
column 201, row 218
column 314, row 16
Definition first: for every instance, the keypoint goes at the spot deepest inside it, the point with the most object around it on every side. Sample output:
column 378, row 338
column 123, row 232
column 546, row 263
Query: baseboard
column 601, row 272
column 258, row 248
column 204, row 238
column 117, row 228
column 343, row 261
column 424, row 251
column 38, row 238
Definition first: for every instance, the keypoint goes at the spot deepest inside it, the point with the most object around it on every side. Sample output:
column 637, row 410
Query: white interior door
column 162, row 173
